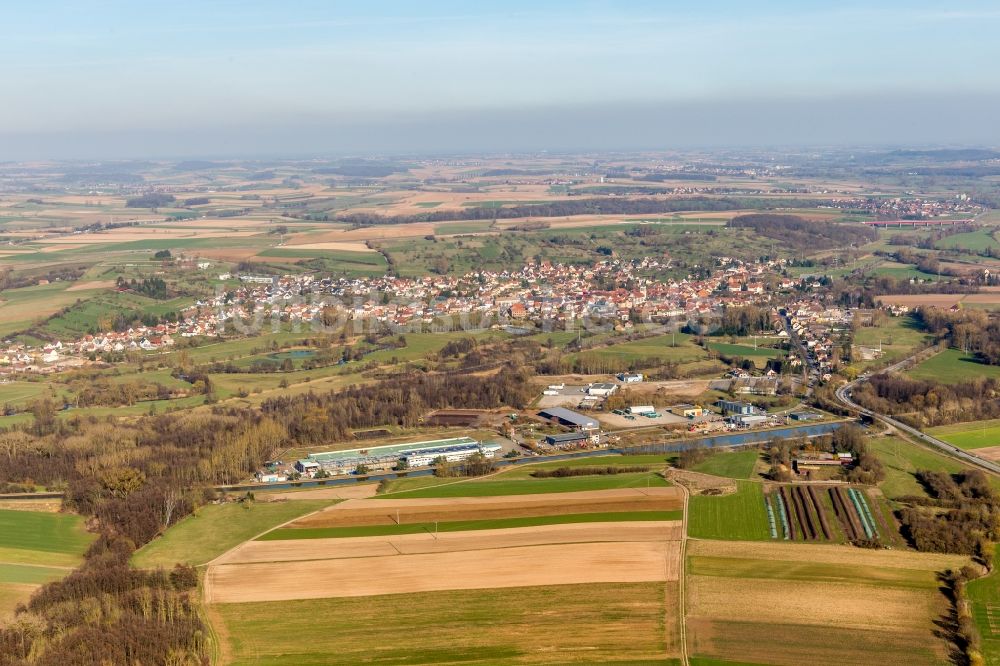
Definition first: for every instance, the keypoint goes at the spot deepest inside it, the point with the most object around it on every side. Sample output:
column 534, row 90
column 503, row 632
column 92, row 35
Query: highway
column 844, row 396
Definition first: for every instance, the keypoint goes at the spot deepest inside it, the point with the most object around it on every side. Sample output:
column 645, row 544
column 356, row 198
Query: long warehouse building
column 383, row 458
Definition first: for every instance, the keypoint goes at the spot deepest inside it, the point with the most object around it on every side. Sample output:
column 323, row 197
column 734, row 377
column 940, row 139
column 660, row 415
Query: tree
column 44, row 412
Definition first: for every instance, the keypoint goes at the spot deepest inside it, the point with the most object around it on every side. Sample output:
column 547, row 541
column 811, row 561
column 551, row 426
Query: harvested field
column 373, row 233
column 937, row 300
column 619, row 562
column 93, row 284
column 388, row 511
column 826, row 604
column 817, row 604
column 827, row 553
column 989, row 452
column 412, row 544
column 359, row 491
column 348, row 246
column 697, row 482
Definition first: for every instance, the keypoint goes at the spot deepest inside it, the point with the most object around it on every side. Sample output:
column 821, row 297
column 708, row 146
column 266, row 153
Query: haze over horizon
column 246, row 79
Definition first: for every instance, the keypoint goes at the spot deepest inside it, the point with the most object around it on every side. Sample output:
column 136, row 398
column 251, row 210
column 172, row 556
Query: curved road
column 844, row 395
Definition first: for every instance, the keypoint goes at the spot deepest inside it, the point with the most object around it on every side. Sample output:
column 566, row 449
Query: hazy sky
column 205, row 77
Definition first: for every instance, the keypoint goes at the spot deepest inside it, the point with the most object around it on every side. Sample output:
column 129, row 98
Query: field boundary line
column 681, row 576
column 270, row 529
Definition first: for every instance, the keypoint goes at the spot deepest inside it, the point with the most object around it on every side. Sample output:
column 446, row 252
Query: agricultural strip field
column 611, row 552
column 500, row 484
column 36, row 548
column 216, row 528
column 777, row 603
column 827, row 513
column 406, row 509
column 970, row 435
column 467, row 525
column 634, row 623
column 952, row 366
column 740, row 515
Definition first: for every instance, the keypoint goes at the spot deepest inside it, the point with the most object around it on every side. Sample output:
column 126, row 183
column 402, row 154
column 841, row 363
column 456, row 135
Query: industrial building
column 736, row 407
column 688, row 411
column 602, row 389
column 569, row 418
column 581, row 438
column 630, row 378
column 384, row 458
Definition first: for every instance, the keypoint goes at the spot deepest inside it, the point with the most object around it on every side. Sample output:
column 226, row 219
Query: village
column 537, row 298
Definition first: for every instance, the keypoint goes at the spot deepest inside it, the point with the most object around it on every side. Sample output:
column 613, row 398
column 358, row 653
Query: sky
column 100, row 79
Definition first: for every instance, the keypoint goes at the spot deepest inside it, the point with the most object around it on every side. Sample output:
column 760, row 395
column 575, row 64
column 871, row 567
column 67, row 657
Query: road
column 844, row 396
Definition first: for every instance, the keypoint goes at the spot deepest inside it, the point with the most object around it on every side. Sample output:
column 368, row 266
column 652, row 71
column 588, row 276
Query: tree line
column 928, row 403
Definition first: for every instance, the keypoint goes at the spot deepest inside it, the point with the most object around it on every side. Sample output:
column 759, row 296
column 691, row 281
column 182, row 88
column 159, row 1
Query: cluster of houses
column 821, row 329
column 542, row 293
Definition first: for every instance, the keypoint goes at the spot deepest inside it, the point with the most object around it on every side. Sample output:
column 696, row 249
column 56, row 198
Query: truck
column 641, row 409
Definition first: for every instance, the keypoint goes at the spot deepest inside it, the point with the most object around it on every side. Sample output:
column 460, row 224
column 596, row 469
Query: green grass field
column 659, row 347
column 984, row 593
column 732, row 464
column 740, row 516
column 57, row 533
column 216, row 528
column 286, row 533
column 901, row 460
column 970, row 435
column 493, row 486
column 36, row 548
column 952, row 366
column 29, row 573
column 899, row 337
column 746, row 351
column 981, row 239
column 630, row 623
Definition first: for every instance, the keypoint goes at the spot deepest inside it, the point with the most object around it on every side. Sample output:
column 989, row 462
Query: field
column 899, row 337
column 501, row 484
column 758, row 355
column 467, row 525
column 364, row 553
column 775, row 603
column 984, row 593
column 624, row 622
column 902, row 459
column 952, row 366
column 970, row 435
column 730, row 464
column 216, row 528
column 36, row 548
column 739, row 516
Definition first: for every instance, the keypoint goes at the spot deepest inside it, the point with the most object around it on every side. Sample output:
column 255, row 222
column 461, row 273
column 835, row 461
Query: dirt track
column 386, row 511
column 559, row 564
column 410, row 544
